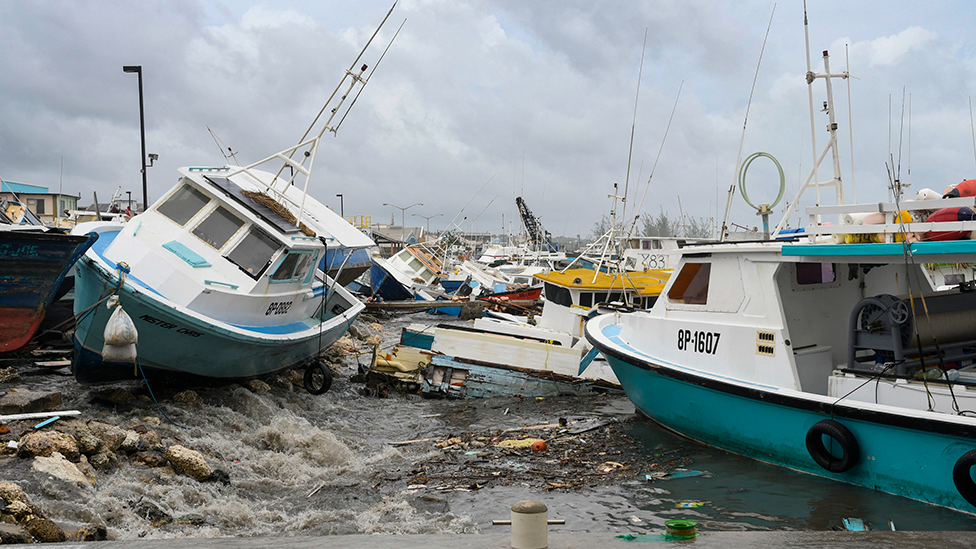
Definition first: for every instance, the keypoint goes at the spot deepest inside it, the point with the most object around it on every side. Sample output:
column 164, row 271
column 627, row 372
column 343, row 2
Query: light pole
column 403, row 210
column 142, row 127
column 428, row 218
column 341, row 210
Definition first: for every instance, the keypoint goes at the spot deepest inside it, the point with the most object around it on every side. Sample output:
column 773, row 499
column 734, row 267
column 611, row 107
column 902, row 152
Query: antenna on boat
column 850, row 119
column 831, row 146
column 738, row 158
column 633, row 125
column 231, row 153
column 972, row 128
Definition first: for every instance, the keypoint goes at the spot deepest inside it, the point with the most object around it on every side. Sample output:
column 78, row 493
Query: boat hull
column 35, row 266
column 903, row 454
column 386, row 286
column 176, row 344
column 342, row 270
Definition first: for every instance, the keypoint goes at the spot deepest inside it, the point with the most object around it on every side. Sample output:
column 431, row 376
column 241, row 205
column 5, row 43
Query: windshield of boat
column 292, row 267
column 183, row 204
column 217, row 228
column 253, row 253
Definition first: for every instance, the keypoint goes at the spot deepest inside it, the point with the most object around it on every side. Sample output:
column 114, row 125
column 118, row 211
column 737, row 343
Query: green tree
column 660, row 225
column 600, row 228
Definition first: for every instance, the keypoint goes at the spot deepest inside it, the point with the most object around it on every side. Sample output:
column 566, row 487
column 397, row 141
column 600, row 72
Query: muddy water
column 281, row 445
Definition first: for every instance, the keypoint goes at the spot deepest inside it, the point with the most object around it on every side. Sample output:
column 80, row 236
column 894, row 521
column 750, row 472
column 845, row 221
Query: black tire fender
column 844, row 438
column 311, row 383
column 962, row 477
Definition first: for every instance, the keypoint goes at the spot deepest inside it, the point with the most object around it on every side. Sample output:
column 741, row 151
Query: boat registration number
column 278, row 308
column 698, row 342
column 654, row 261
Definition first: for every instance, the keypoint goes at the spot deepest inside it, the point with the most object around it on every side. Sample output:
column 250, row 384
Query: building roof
column 22, row 188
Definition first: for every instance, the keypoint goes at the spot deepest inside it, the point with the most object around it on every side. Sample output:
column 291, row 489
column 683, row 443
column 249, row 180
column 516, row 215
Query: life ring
column 962, row 477
column 843, row 436
column 318, row 378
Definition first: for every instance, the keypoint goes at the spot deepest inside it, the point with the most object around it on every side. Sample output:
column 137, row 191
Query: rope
column 158, row 407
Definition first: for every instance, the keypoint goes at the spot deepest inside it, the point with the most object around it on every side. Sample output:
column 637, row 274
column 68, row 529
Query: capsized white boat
column 220, row 277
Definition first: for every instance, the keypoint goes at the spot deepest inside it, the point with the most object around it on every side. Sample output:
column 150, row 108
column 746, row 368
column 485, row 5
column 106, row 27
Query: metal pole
column 142, row 128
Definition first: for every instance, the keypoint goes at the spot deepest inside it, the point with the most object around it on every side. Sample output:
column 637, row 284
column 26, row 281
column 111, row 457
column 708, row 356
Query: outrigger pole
column 311, row 144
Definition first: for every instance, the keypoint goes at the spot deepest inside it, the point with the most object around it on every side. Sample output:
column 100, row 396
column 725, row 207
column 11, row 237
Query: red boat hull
column 33, row 264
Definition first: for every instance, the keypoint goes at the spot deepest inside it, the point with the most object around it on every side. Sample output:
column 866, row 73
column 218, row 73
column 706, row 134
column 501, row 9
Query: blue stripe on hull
column 906, row 462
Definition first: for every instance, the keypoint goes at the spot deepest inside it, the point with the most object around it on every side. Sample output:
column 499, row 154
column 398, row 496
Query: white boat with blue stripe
column 841, row 351
column 222, row 276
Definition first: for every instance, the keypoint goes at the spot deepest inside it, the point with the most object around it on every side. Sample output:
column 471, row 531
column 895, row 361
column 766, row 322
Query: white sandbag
column 120, row 330
column 119, row 353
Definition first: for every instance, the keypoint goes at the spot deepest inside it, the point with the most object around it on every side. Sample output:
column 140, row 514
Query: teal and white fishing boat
column 833, row 351
column 221, row 277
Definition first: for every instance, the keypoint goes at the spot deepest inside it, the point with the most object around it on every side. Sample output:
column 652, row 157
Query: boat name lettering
column 28, row 250
column 168, row 326
column 654, row 261
column 699, row 342
column 278, row 308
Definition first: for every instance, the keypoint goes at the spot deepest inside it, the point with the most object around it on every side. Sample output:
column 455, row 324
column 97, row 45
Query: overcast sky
column 537, row 97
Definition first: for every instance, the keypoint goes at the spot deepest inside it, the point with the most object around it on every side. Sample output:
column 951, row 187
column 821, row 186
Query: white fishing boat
column 831, row 352
column 412, row 273
column 220, row 277
column 552, row 341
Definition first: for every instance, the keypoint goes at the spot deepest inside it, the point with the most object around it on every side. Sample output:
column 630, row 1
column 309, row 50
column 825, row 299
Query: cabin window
column 416, row 265
column 815, row 273
column 691, row 284
column 217, row 228
column 183, row 204
column 253, row 253
column 292, row 267
column 558, row 295
column 586, row 299
column 311, row 272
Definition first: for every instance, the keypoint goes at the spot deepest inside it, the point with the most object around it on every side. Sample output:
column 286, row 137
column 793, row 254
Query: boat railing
column 848, row 214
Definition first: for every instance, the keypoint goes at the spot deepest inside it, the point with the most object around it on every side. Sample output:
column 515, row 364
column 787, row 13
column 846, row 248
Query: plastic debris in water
column 690, row 504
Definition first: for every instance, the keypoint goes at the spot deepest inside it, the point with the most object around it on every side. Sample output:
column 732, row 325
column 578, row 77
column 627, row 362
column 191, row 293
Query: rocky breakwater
column 76, row 455
column 80, row 452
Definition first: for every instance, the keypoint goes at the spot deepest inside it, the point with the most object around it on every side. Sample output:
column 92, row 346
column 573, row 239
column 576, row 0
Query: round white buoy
column 530, row 525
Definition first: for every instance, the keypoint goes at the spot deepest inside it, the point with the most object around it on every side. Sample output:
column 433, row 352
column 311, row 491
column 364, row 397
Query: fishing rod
column 633, row 125
column 654, row 167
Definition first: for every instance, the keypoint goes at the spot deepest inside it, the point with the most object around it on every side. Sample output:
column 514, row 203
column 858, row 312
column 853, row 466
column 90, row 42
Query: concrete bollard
column 530, row 525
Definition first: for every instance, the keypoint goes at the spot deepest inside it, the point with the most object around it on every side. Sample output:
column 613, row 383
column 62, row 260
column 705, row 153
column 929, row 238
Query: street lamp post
column 403, row 210
column 142, row 127
column 428, row 218
column 341, row 210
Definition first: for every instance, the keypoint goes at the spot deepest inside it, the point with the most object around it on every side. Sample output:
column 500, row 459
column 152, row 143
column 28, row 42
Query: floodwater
column 281, row 445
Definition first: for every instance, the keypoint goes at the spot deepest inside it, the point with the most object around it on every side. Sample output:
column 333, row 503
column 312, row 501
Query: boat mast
column 812, row 180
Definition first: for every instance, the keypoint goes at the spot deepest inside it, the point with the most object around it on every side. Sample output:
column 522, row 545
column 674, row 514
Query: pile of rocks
column 79, row 451
column 23, row 522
